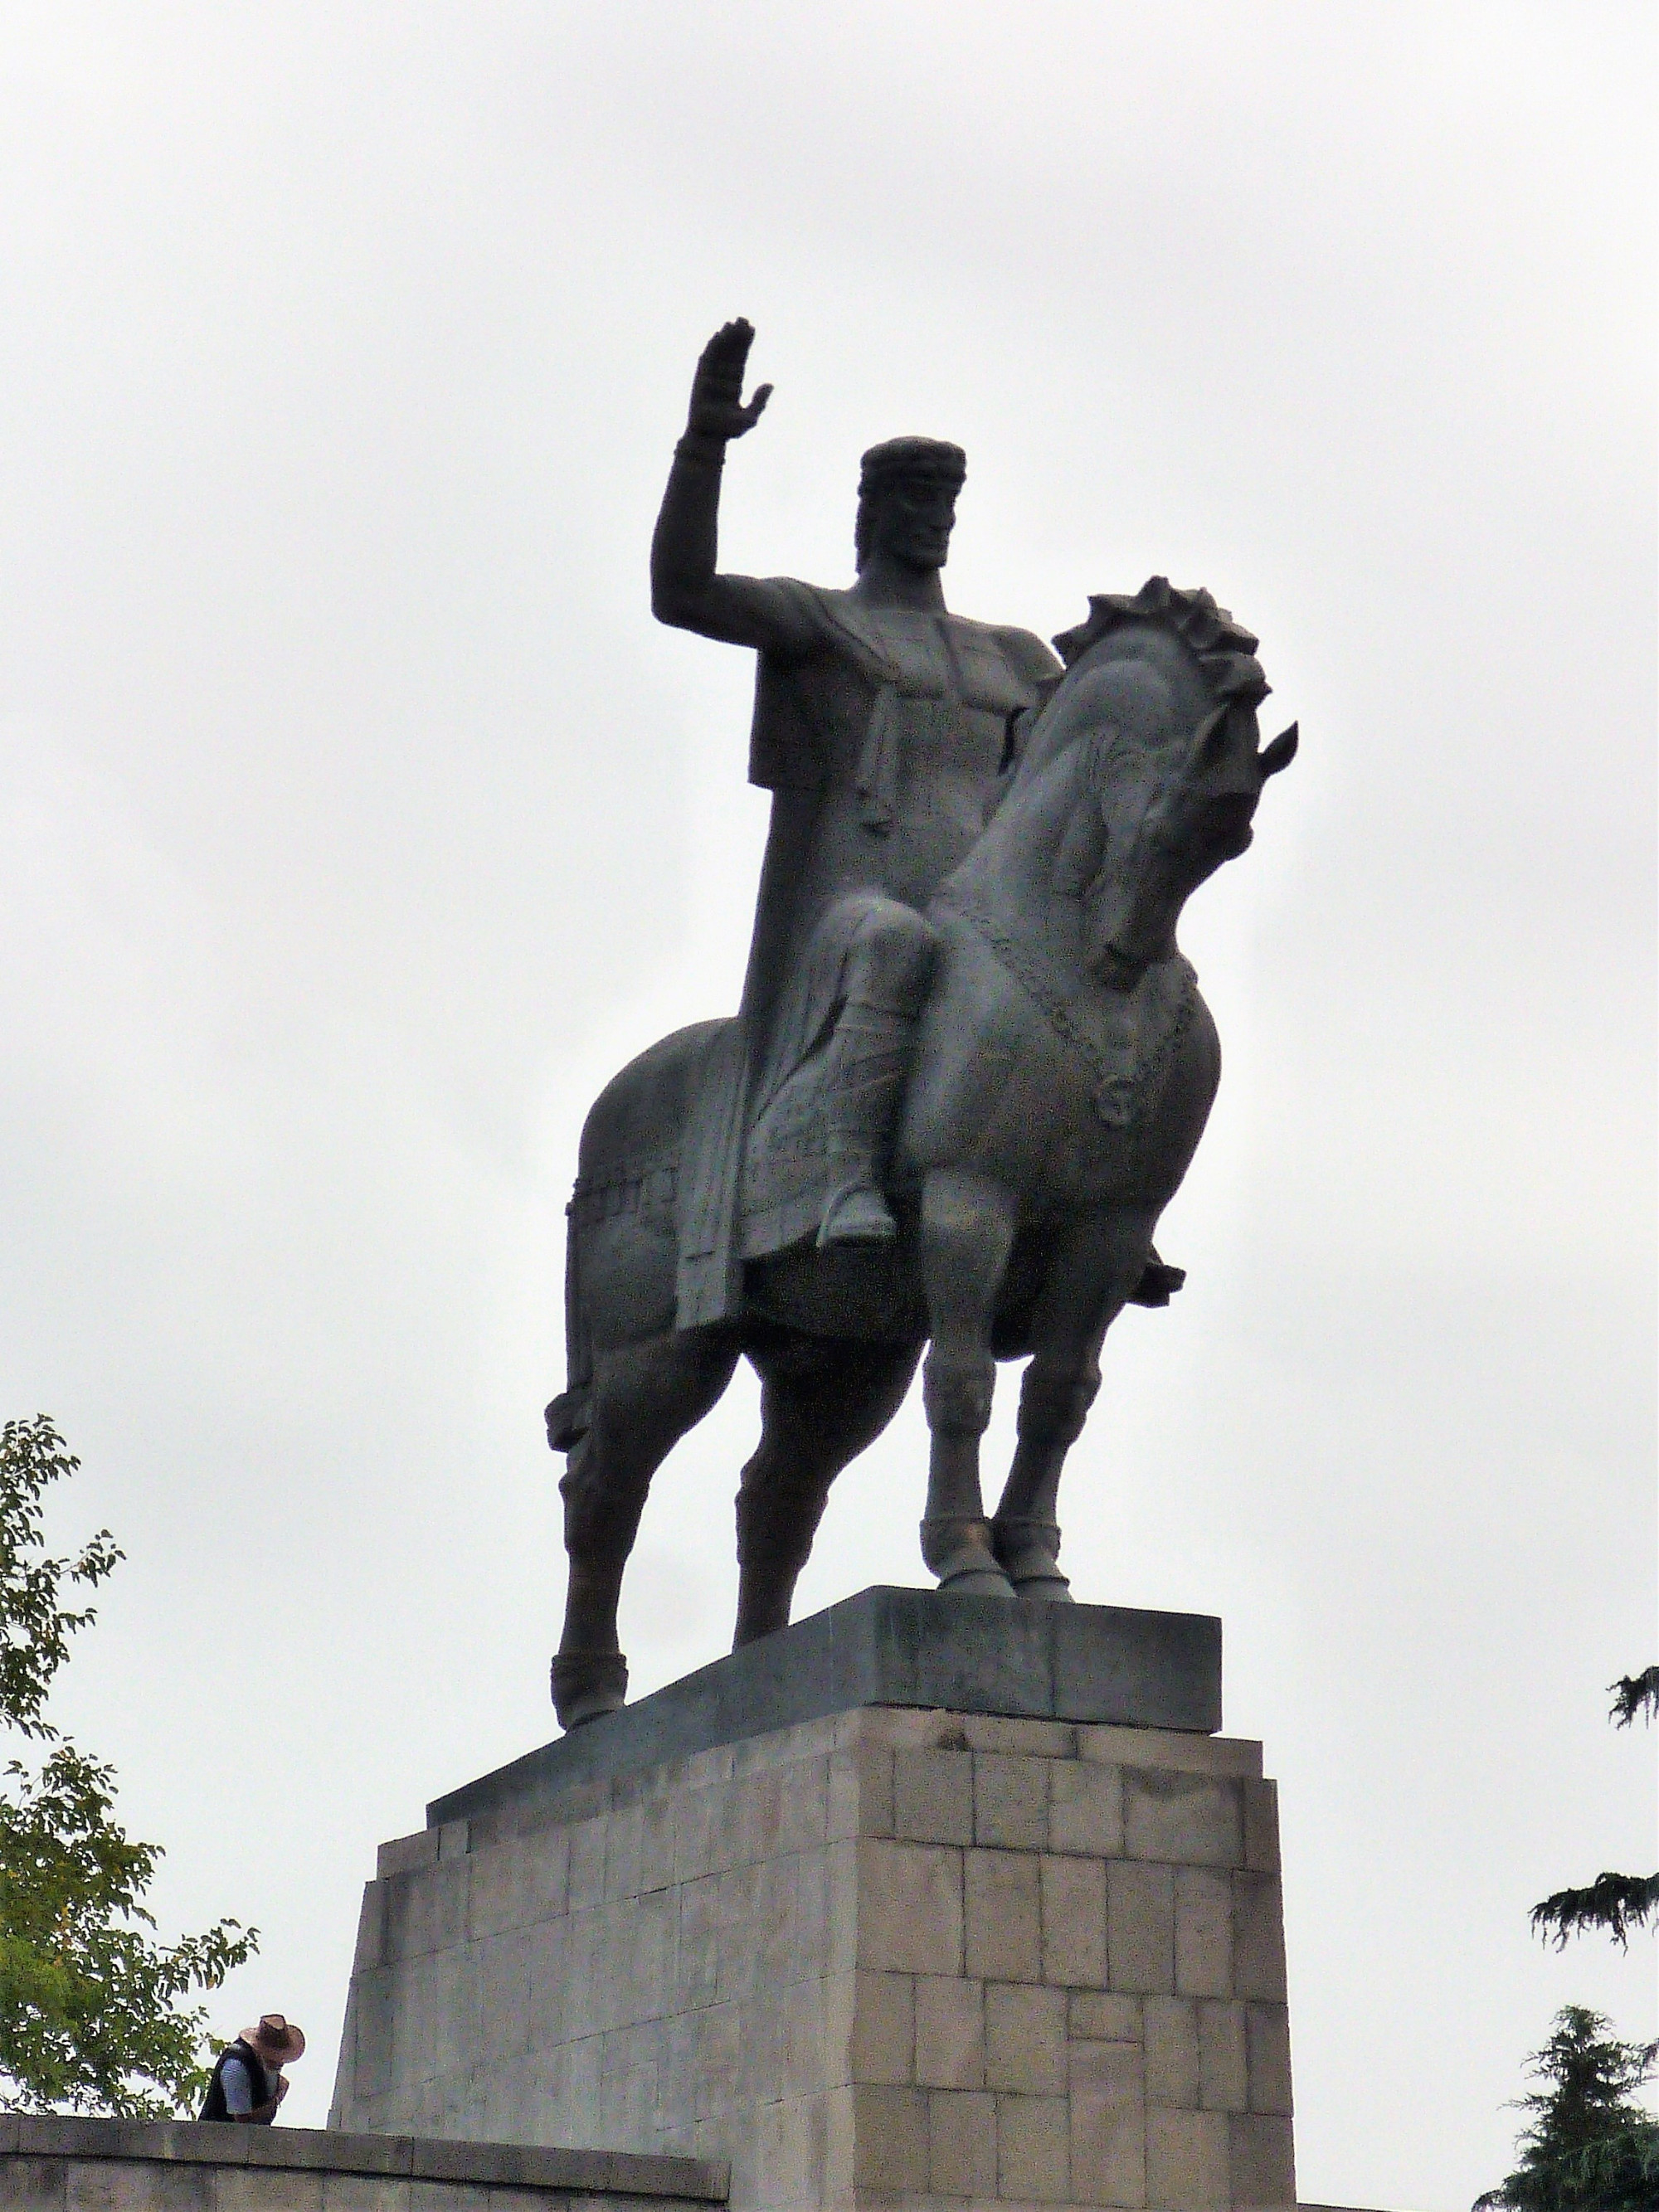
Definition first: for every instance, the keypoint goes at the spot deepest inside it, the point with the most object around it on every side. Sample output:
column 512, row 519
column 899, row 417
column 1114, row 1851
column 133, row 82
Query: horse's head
column 1169, row 828
column 1159, row 698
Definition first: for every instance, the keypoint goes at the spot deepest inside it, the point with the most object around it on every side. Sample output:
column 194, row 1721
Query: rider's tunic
column 883, row 749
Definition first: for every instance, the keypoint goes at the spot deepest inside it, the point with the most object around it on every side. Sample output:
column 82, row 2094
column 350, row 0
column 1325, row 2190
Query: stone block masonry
column 892, row 1956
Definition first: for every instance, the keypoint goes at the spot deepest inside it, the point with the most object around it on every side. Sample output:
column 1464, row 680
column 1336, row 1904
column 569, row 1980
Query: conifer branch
column 1633, row 1694
column 1615, row 1902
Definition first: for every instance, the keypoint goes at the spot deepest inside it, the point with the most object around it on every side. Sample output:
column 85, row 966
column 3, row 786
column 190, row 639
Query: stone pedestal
column 904, row 1948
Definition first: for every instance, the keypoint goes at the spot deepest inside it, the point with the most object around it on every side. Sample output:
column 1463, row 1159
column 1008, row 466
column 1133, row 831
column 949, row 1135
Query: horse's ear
column 1209, row 744
column 1281, row 753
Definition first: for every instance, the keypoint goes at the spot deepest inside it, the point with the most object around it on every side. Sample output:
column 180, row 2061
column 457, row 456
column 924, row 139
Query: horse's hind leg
column 645, row 1397
column 1089, row 1276
column 822, row 1402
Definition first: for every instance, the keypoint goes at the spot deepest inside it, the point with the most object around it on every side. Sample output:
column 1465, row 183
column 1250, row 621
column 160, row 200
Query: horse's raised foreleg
column 967, row 1224
column 645, row 1397
column 1094, row 1265
column 822, row 1402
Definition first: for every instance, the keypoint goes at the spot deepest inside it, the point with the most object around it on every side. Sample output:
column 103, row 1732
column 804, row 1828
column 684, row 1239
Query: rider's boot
column 869, row 1059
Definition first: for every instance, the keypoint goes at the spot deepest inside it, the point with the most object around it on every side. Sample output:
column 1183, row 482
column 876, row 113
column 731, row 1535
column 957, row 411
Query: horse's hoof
column 588, row 1685
column 957, row 1547
column 1028, row 1552
column 1045, row 1589
column 976, row 1582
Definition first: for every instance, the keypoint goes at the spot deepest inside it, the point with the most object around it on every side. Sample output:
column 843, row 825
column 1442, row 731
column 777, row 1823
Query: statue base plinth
column 955, row 1938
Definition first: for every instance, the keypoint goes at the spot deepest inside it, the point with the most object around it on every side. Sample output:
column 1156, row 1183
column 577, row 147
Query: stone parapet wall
column 57, row 2165
column 892, row 1957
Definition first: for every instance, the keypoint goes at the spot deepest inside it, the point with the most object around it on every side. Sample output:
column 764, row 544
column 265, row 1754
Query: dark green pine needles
column 1614, row 1903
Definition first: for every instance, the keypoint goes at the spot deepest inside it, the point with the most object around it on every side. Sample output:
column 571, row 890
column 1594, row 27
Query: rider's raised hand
column 717, row 409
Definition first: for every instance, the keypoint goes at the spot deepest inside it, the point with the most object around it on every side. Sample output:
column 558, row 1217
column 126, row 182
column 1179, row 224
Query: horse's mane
column 1224, row 649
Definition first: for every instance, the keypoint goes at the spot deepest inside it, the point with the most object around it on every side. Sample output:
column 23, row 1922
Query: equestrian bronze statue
column 969, row 1066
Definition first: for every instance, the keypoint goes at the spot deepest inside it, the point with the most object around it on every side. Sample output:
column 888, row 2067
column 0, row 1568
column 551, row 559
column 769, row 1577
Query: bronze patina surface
column 969, row 1066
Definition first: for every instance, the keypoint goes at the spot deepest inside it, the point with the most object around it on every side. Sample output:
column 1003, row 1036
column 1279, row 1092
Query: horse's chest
column 1122, row 1042
column 1033, row 1074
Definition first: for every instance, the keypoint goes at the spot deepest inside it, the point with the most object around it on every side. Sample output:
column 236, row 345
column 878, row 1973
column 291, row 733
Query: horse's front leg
column 1095, row 1264
column 968, row 1224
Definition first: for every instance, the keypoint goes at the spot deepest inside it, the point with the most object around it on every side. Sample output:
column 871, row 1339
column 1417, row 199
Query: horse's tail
column 570, row 1413
column 629, row 1163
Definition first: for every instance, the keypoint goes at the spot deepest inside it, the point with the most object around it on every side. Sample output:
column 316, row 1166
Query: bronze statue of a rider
column 884, row 727
column 970, row 1069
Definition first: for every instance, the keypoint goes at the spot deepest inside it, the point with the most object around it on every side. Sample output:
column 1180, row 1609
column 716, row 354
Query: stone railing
column 53, row 2165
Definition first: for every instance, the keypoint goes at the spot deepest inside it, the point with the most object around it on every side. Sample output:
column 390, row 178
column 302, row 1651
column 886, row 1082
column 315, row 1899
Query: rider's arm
column 686, row 588
column 1029, row 655
column 1037, row 667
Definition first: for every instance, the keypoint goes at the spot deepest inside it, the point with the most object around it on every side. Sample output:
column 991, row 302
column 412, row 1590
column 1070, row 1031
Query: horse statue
column 1065, row 1067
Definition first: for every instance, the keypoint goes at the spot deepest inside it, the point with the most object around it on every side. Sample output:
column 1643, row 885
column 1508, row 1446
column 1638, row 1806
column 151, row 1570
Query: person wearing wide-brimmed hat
column 248, row 2082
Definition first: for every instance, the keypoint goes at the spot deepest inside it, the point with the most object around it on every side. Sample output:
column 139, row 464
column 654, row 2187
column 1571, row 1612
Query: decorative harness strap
column 1129, row 1070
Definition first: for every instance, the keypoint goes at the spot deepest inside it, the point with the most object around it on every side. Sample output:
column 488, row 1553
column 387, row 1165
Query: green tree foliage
column 1591, row 2148
column 1614, row 1903
column 90, row 2011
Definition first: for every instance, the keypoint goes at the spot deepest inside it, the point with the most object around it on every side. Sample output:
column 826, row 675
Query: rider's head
column 907, row 500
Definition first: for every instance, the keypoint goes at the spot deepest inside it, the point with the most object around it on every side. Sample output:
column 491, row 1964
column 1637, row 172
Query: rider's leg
column 822, row 1401
column 967, row 1224
column 887, row 964
column 1091, row 1271
column 646, row 1396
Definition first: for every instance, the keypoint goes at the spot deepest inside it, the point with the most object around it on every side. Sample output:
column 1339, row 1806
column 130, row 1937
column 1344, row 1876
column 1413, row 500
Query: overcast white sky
column 357, row 822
